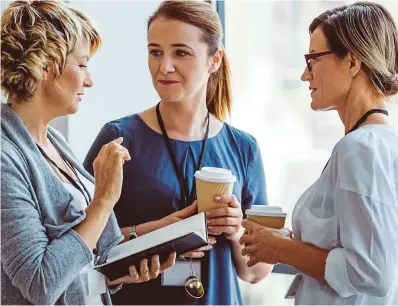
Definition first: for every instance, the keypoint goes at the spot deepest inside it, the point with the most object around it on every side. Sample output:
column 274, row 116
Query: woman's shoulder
column 9, row 148
column 367, row 160
column 13, row 161
column 10, row 130
column 378, row 138
column 124, row 125
column 243, row 139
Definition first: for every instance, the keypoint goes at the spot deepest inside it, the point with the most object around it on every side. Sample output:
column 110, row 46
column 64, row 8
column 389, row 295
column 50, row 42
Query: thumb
column 188, row 211
column 119, row 140
column 252, row 226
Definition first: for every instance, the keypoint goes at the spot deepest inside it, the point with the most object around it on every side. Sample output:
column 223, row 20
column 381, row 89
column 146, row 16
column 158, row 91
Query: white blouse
column 93, row 281
column 352, row 211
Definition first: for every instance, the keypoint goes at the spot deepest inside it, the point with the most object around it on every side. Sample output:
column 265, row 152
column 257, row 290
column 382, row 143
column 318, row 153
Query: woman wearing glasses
column 54, row 222
column 190, row 73
column 345, row 240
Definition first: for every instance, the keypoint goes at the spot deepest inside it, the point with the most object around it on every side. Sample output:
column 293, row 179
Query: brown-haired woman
column 55, row 222
column 345, row 225
column 190, row 72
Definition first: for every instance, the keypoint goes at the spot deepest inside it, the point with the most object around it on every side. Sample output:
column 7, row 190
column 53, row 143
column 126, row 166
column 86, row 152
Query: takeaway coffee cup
column 212, row 182
column 269, row 216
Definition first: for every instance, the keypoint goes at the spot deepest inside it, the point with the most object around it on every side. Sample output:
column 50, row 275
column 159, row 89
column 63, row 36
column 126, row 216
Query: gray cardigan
column 41, row 254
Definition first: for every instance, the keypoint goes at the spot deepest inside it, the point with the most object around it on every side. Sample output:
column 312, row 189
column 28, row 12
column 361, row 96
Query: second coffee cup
column 269, row 216
column 212, row 182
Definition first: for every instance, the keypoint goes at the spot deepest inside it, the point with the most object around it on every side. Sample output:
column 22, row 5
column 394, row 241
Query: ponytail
column 218, row 96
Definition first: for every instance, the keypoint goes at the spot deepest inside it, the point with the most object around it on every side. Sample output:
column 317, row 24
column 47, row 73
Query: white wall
column 122, row 83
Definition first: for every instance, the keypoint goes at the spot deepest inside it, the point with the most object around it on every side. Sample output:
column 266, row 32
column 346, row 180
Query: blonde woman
column 345, row 225
column 55, row 223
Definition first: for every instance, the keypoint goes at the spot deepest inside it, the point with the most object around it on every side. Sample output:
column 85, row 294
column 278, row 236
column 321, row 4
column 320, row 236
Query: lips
column 312, row 90
column 168, row 82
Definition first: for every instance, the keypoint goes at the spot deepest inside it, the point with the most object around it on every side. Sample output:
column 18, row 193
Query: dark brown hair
column 201, row 14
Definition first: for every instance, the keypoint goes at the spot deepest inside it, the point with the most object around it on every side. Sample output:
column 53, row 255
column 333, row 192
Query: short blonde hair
column 37, row 36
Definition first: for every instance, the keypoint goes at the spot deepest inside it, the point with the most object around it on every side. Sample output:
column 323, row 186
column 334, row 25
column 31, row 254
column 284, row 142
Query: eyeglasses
column 311, row 56
column 193, row 286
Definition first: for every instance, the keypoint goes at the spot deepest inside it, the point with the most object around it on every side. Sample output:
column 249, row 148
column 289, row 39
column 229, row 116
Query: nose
column 167, row 65
column 88, row 82
column 307, row 75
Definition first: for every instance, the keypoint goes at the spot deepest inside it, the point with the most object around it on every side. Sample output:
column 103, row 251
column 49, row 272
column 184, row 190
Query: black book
column 180, row 237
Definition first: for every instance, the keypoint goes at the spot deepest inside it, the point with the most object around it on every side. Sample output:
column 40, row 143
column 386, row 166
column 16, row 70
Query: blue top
column 151, row 191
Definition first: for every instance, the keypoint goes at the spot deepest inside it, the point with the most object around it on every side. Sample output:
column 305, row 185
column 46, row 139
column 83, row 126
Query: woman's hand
column 178, row 215
column 145, row 274
column 145, row 228
column 199, row 253
column 191, row 210
column 108, row 171
column 263, row 244
column 108, row 175
column 226, row 220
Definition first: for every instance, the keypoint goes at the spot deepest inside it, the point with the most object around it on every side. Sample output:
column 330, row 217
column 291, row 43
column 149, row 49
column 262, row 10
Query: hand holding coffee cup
column 269, row 216
column 226, row 220
column 210, row 183
column 264, row 233
column 263, row 244
column 214, row 188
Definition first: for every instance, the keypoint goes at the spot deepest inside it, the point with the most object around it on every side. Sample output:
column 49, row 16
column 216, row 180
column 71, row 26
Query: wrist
column 147, row 227
column 132, row 233
column 285, row 244
column 114, row 287
column 103, row 204
column 235, row 237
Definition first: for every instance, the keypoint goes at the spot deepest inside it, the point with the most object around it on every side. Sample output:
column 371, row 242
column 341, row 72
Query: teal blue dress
column 151, row 191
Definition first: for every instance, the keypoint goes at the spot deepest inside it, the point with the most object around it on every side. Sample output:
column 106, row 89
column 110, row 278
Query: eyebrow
column 173, row 45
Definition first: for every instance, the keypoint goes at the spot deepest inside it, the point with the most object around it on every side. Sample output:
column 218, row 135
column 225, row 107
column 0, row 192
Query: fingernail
column 209, row 221
column 218, row 198
column 208, row 214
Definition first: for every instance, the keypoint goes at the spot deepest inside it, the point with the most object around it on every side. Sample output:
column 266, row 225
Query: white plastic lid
column 265, row 210
column 215, row 175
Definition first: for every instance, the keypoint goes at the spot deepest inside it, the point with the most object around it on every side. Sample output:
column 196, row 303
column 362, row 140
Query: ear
column 216, row 60
column 45, row 74
column 355, row 64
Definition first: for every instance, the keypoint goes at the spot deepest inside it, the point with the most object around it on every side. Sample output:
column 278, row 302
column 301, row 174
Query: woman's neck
column 185, row 120
column 356, row 106
column 36, row 119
